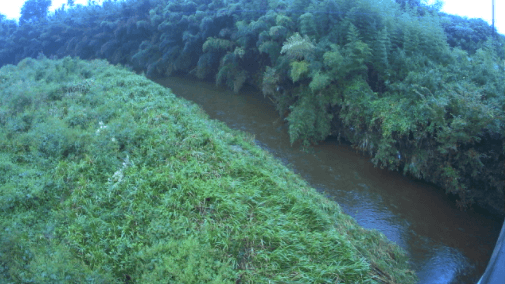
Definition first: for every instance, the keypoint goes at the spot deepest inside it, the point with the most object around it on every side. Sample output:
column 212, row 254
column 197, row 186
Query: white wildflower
column 118, row 176
column 102, row 126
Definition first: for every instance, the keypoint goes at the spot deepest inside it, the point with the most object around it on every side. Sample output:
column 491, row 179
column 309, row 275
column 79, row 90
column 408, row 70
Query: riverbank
column 137, row 185
column 417, row 216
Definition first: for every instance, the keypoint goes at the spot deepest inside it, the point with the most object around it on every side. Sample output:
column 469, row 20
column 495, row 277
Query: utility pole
column 492, row 25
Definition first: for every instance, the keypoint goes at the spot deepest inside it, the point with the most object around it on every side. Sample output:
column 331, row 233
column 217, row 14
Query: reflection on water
column 445, row 244
column 443, row 265
column 367, row 210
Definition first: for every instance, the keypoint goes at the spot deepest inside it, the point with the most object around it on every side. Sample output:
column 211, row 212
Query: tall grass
column 106, row 177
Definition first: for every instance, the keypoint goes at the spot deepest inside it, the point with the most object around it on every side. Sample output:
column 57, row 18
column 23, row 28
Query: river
column 445, row 245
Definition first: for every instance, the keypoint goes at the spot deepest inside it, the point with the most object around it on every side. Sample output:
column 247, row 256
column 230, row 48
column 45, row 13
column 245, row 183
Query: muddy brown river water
column 445, row 244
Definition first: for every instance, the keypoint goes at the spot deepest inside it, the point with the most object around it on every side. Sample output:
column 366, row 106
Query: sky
column 12, row 8
column 471, row 9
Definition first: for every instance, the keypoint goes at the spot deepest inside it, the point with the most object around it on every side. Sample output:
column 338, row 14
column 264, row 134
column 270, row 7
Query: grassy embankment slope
column 107, row 177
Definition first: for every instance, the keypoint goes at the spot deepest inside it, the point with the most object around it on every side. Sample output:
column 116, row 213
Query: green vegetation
column 420, row 91
column 34, row 11
column 106, row 177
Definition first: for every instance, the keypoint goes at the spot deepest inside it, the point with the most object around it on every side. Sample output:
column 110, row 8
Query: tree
column 411, row 3
column 34, row 11
column 7, row 26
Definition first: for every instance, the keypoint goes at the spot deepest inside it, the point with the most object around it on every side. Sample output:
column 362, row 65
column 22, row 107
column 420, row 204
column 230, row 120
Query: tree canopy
column 34, row 11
